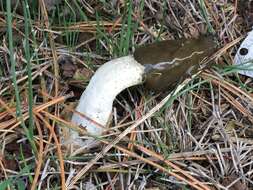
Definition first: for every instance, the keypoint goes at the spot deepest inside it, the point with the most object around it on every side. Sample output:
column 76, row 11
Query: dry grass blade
column 39, row 157
column 174, row 166
column 63, row 186
column 52, row 45
column 192, row 182
column 124, row 133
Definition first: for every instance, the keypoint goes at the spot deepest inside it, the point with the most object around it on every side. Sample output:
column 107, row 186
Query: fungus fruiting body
column 161, row 64
column 244, row 56
column 171, row 61
column 97, row 99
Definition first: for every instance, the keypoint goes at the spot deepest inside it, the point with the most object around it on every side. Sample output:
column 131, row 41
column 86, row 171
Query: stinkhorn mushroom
column 244, row 56
column 159, row 65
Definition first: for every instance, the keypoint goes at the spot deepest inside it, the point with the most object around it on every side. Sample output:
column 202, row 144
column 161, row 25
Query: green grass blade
column 14, row 78
column 129, row 33
column 81, row 12
column 204, row 14
column 29, row 70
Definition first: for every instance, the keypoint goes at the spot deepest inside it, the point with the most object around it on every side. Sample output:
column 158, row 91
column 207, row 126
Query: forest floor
column 201, row 138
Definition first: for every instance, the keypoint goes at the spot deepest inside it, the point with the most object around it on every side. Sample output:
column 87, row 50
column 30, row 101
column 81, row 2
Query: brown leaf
column 9, row 163
column 67, row 67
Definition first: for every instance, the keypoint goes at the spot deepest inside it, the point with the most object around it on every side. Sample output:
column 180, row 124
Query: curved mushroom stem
column 97, row 100
column 174, row 60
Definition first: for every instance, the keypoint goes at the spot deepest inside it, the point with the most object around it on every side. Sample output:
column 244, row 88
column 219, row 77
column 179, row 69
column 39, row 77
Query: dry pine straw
column 202, row 154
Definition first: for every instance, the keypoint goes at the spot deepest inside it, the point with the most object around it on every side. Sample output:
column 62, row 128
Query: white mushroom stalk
column 97, row 100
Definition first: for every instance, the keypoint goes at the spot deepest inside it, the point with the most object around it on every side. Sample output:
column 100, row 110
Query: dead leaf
column 67, row 67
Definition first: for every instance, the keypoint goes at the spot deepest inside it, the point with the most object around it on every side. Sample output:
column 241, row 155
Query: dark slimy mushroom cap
column 171, row 61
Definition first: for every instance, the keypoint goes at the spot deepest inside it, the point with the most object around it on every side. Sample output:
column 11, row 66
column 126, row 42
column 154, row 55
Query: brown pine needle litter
column 198, row 136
